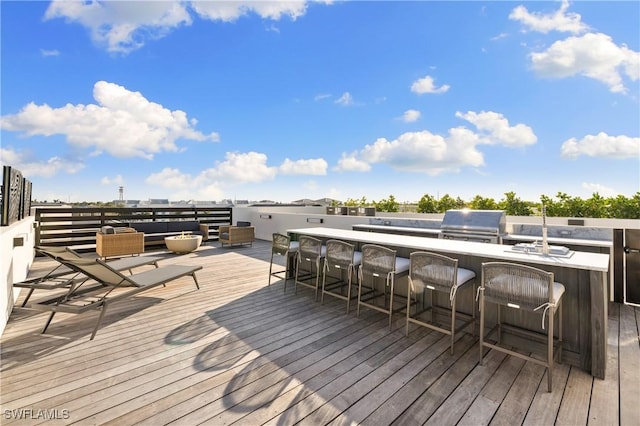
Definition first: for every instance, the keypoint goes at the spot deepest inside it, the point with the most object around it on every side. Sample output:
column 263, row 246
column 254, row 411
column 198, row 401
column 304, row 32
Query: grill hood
column 485, row 222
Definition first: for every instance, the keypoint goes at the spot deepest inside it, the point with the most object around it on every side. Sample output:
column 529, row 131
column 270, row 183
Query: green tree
column 622, row 207
column 352, row 202
column 514, row 206
column 564, row 206
column 481, row 203
column 427, row 204
column 447, row 202
column 596, row 206
column 387, row 205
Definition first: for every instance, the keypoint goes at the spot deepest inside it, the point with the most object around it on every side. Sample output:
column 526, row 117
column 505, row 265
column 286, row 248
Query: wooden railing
column 76, row 227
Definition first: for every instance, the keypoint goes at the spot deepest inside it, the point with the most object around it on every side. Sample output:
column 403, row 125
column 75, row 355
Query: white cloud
column 183, row 186
column 600, row 189
column 170, row 178
column 350, row 163
column 242, row 168
column 427, row 85
column 236, row 169
column 122, row 123
column 316, row 166
column 560, row 20
column 499, row 36
column 272, row 29
column 592, row 55
column 116, row 180
column 230, row 11
column 345, row 100
column 602, row 145
column 124, row 26
column 425, row 152
column 46, row 53
column 495, row 129
column 410, row 116
column 31, row 167
column 321, row 96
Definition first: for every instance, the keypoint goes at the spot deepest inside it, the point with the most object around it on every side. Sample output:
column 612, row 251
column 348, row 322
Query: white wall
column 283, row 218
column 268, row 220
column 14, row 263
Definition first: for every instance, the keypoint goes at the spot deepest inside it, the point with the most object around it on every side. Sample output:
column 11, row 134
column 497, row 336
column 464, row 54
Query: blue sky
column 208, row 100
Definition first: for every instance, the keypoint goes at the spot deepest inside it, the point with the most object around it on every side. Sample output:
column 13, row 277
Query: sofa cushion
column 187, row 225
column 150, row 227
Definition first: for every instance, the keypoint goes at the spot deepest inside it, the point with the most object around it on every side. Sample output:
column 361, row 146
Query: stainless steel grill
column 487, row 226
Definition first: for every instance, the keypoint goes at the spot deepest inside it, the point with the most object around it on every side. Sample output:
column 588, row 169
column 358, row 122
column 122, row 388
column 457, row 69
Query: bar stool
column 435, row 272
column 283, row 246
column 379, row 263
column 527, row 288
column 340, row 257
column 310, row 253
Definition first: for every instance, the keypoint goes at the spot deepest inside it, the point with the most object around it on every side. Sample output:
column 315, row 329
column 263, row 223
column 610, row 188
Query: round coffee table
column 181, row 244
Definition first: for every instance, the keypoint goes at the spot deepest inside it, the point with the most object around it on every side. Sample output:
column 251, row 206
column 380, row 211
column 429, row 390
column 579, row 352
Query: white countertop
column 579, row 260
column 560, row 240
column 400, row 228
column 514, row 237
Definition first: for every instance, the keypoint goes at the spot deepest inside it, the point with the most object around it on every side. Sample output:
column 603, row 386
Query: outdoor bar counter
column 583, row 274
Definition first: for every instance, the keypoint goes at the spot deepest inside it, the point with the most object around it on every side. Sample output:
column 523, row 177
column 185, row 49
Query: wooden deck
column 238, row 351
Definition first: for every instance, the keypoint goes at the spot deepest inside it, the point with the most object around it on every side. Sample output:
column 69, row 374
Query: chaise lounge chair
column 62, row 276
column 113, row 286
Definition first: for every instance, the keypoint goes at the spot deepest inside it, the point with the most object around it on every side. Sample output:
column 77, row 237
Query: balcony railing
column 77, row 226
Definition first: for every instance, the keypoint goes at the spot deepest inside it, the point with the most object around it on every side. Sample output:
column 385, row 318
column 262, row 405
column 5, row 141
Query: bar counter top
column 578, row 260
column 434, row 232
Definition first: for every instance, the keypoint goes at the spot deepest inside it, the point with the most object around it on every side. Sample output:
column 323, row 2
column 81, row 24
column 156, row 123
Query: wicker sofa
column 154, row 232
column 236, row 235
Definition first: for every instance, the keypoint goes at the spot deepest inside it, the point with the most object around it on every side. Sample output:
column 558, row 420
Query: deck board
column 629, row 365
column 240, row 352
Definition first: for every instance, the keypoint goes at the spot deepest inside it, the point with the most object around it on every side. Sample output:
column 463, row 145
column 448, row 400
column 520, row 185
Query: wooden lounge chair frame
column 78, row 300
column 62, row 276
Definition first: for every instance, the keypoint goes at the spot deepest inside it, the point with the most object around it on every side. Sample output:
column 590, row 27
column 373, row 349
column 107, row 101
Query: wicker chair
column 340, row 257
column 283, row 246
column 527, row 288
column 379, row 262
column 236, row 235
column 435, row 272
column 310, row 254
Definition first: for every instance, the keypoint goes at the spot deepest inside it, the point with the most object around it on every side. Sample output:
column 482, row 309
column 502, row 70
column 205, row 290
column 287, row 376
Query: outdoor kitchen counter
column 584, row 275
column 403, row 230
column 560, row 241
column 515, row 238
